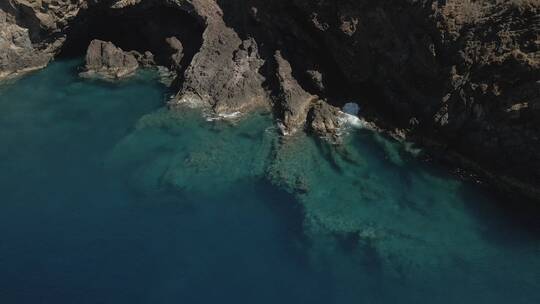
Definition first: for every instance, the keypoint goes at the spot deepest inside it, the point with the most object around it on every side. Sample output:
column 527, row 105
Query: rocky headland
column 460, row 78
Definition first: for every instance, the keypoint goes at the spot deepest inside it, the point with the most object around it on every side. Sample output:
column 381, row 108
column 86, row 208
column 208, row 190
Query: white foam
column 190, row 100
column 349, row 117
column 230, row 115
column 224, row 116
column 166, row 76
column 411, row 149
column 349, row 120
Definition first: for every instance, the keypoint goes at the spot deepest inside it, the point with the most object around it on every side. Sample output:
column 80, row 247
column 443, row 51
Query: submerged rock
column 104, row 59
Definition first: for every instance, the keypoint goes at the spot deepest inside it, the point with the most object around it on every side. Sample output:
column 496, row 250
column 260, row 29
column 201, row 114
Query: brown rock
column 104, row 59
column 224, row 74
column 293, row 102
column 175, row 52
column 17, row 54
column 323, row 119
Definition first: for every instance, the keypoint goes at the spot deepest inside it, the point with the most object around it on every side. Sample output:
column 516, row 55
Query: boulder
column 146, row 59
column 175, row 52
column 316, row 79
column 323, row 119
column 105, row 60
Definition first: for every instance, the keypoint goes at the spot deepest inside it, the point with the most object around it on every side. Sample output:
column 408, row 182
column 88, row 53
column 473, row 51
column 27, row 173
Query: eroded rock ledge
column 461, row 77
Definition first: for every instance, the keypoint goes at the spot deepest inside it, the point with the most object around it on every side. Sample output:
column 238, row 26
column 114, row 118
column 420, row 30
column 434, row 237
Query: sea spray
column 349, row 118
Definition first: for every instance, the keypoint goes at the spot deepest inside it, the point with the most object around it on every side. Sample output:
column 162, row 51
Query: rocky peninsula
column 459, row 77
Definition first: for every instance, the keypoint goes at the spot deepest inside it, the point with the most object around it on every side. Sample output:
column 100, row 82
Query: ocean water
column 107, row 197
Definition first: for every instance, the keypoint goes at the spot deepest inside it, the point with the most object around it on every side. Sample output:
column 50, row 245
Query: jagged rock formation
column 105, row 60
column 175, row 53
column 459, row 76
column 31, row 32
column 224, row 74
column 324, row 119
column 294, row 101
column 16, row 52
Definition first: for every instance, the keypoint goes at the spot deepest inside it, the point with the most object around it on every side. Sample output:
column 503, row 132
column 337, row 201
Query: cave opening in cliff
column 138, row 28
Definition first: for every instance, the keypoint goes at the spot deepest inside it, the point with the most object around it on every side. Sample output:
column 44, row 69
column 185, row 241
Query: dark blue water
column 105, row 197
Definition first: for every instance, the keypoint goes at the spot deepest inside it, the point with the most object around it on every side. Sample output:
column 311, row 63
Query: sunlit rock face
column 16, row 52
column 104, row 59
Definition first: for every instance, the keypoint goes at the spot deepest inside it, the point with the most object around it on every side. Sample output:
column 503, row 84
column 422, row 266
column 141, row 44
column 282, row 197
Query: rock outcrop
column 224, row 74
column 17, row 54
column 324, row 120
column 293, row 102
column 31, row 32
column 461, row 77
column 105, row 60
column 175, row 52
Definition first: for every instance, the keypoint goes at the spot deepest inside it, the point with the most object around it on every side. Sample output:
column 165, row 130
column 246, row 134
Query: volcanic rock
column 293, row 102
column 104, row 59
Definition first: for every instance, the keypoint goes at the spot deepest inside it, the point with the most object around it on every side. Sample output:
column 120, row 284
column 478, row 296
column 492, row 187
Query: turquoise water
column 106, row 197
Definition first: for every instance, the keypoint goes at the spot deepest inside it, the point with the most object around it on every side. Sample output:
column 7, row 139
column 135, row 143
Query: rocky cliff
column 460, row 77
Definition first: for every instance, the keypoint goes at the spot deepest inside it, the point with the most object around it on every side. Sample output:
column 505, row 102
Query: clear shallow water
column 107, row 198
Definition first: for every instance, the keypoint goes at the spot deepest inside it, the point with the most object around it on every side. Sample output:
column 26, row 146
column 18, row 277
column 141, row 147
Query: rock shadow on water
column 329, row 154
column 290, row 212
column 506, row 221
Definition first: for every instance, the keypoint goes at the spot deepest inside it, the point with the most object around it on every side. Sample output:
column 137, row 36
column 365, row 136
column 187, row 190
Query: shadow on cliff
column 281, row 25
column 138, row 28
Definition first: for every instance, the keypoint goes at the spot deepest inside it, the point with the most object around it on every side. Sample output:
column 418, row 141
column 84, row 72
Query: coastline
column 433, row 72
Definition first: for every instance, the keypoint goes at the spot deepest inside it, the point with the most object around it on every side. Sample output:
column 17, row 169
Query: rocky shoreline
column 461, row 78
